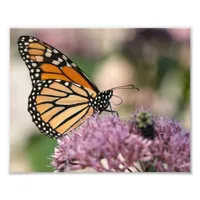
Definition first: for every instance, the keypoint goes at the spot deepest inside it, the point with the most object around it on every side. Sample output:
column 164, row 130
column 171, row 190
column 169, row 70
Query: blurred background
column 155, row 60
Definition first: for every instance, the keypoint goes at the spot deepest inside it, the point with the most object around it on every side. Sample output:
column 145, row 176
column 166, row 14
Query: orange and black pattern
column 63, row 97
column 45, row 62
column 57, row 106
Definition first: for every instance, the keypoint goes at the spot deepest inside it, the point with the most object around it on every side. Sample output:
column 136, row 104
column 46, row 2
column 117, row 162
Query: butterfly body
column 63, row 96
column 101, row 101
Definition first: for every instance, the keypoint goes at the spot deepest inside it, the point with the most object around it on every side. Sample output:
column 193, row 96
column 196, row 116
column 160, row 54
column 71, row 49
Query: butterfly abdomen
column 101, row 101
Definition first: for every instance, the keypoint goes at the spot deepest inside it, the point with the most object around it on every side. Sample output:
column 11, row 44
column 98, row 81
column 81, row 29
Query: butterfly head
column 101, row 101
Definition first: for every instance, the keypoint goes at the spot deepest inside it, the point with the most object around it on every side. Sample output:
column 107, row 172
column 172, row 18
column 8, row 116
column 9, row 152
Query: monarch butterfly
column 63, row 96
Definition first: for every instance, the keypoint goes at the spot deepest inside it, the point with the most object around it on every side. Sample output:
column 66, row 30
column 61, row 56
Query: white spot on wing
column 64, row 57
column 55, row 51
column 77, row 84
column 60, row 60
column 55, row 62
column 68, row 65
column 73, row 65
column 47, row 54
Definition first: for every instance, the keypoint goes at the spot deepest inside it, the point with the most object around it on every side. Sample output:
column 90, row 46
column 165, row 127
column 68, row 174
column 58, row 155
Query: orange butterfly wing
column 58, row 106
column 45, row 62
column 59, row 100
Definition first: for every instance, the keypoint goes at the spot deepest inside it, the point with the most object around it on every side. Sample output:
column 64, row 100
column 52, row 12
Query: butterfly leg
column 112, row 111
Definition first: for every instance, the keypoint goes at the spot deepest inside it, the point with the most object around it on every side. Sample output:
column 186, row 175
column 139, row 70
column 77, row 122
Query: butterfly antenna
column 125, row 87
column 120, row 99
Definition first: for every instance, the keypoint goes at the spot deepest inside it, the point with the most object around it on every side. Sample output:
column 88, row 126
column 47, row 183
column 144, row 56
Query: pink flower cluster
column 107, row 144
